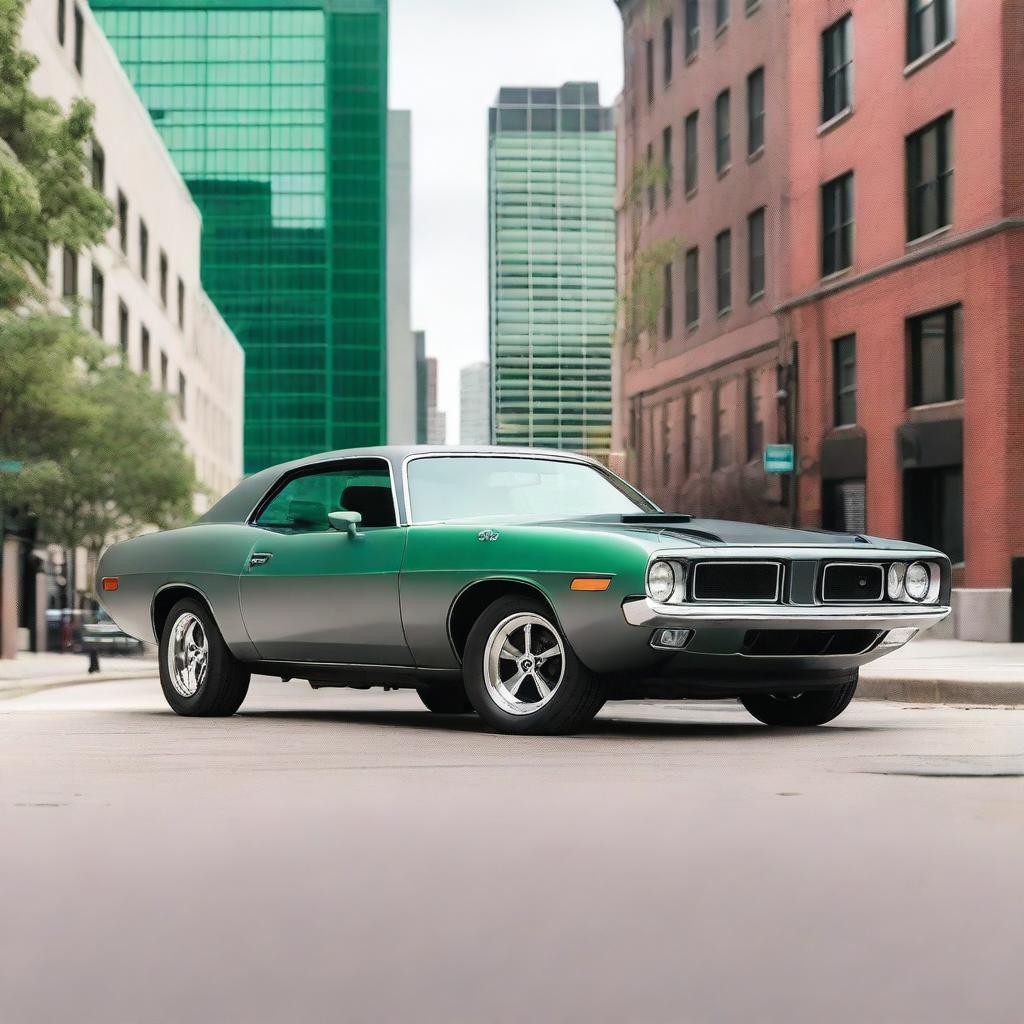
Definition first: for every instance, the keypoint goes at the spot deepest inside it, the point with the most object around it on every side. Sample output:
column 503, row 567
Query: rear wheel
column 445, row 699
column 523, row 676
column 199, row 675
column 814, row 707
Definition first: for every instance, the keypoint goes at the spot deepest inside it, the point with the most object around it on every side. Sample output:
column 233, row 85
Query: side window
column 304, row 502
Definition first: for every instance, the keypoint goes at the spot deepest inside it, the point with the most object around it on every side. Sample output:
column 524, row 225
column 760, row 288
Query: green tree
column 46, row 196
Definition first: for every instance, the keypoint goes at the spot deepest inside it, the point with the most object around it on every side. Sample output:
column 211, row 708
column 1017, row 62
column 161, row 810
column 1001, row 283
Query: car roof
column 237, row 505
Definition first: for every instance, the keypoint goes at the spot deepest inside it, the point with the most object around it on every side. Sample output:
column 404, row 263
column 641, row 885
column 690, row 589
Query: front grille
column 736, row 581
column 794, row 643
column 852, row 582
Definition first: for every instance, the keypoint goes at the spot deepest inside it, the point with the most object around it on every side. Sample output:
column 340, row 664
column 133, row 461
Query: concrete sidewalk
column 30, row 672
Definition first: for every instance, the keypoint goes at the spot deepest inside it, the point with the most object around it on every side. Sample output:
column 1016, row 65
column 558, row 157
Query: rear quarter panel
column 205, row 558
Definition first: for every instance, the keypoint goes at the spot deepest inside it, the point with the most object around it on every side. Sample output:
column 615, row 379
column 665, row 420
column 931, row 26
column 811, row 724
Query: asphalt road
column 337, row 856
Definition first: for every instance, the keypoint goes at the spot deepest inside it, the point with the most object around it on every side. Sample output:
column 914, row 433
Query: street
column 339, row 855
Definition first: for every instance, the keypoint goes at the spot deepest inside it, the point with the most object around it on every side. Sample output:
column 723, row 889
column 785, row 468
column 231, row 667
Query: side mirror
column 344, row 522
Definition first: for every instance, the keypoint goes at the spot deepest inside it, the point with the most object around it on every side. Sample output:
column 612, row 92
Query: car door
column 311, row 593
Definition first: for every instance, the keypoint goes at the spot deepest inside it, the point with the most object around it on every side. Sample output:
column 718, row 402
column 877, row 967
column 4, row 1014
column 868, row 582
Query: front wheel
column 523, row 676
column 815, row 707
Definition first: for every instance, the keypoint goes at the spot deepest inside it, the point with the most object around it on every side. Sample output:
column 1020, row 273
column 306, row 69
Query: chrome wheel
column 524, row 662
column 188, row 655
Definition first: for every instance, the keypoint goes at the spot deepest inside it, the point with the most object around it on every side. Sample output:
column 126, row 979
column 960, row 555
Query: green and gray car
column 528, row 586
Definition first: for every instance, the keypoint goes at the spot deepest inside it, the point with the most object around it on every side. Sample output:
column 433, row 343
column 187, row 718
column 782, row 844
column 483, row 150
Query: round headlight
column 661, row 581
column 917, row 581
column 895, row 586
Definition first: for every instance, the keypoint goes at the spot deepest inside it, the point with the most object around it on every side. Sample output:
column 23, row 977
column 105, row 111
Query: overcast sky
column 448, row 60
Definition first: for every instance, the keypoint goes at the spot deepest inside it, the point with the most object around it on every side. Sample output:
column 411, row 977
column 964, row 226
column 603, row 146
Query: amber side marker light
column 110, row 583
column 583, row 583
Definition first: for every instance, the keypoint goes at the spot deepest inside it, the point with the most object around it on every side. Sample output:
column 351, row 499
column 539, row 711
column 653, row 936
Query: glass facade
column 552, row 267
column 275, row 114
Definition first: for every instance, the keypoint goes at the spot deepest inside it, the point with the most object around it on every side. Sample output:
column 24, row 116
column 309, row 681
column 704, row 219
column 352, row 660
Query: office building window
column 650, row 71
column 723, row 271
column 722, row 151
column 837, row 224
column 721, row 14
column 692, row 286
column 755, row 420
column 721, row 438
column 70, row 274
column 755, row 254
column 844, row 381
column 837, row 68
column 144, row 349
column 181, row 395
column 692, row 19
column 652, row 171
column 844, row 506
column 691, row 142
column 666, row 50
column 98, row 289
column 666, row 160
column 143, row 250
column 666, row 302
column 666, row 444
column 689, row 433
column 755, row 111
column 933, row 509
column 98, row 167
column 79, row 39
column 930, row 178
column 122, row 327
column 929, row 24
column 163, row 277
column 62, row 21
column 163, row 371
column 936, row 356
column 181, row 303
column 122, row 221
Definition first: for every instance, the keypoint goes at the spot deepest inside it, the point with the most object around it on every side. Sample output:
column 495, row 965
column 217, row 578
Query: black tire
column 575, row 698
column 815, row 707
column 226, row 681
column 445, row 699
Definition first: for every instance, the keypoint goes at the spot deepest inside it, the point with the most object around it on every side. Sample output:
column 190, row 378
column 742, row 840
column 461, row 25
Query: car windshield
column 471, row 487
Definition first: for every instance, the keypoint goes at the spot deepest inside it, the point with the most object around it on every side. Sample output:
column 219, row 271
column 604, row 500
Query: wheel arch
column 167, row 596
column 475, row 597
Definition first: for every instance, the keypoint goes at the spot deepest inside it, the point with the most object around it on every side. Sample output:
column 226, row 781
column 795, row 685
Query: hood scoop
column 656, row 518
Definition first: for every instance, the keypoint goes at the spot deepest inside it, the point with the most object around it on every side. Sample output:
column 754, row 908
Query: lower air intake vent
column 736, row 581
column 794, row 643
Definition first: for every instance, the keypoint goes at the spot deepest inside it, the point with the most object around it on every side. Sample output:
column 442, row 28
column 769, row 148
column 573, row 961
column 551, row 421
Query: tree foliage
column 46, row 196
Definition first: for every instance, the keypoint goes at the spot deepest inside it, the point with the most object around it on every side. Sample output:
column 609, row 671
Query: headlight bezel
column 677, row 591
column 896, row 582
column 927, row 582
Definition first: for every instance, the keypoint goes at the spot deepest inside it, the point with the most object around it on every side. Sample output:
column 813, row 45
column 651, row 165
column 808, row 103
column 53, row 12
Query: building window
column 666, row 445
column 930, row 178
column 837, row 68
column 98, row 165
column 692, row 287
column 723, row 271
column 79, row 39
column 844, row 381
column 181, row 303
column 666, row 300
column 936, row 356
column 837, row 224
column 755, row 111
column 181, row 395
column 666, row 49
column 652, row 171
column 692, row 12
column 70, row 274
column 933, row 509
column 143, row 250
column 690, row 141
column 122, row 327
column 722, row 154
column 844, row 506
column 122, row 221
column 721, row 439
column 929, row 24
column 751, row 6
column 755, row 254
column 755, row 422
column 62, row 21
column 163, row 278
column 97, row 300
column 144, row 346
column 650, row 71
column 689, row 433
column 666, row 160
column 721, row 14
column 163, row 371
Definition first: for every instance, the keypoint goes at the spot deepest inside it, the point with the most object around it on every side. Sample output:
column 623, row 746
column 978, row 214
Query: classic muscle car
column 529, row 586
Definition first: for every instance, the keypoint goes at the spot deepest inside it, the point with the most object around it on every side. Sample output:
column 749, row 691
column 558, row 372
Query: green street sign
column 778, row 458
column 10, row 466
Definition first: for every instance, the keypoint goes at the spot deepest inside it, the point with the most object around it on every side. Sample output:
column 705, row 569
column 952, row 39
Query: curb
column 941, row 691
column 20, row 688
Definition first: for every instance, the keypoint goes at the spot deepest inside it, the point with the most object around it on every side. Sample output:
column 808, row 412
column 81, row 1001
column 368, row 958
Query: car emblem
column 488, row 535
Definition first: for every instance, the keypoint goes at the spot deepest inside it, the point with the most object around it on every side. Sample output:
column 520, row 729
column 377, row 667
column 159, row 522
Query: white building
column 475, row 404
column 141, row 290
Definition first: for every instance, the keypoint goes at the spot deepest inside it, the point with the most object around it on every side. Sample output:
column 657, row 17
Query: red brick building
column 893, row 183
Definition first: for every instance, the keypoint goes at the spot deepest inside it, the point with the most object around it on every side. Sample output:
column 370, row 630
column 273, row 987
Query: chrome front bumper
column 642, row 611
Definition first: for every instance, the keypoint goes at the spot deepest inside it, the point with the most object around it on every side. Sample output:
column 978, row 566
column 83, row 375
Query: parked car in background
column 104, row 636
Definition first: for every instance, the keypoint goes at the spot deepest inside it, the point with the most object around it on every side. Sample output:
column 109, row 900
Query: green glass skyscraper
column 552, row 267
column 275, row 112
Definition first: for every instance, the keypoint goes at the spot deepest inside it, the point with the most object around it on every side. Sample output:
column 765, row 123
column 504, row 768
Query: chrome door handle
column 259, row 558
